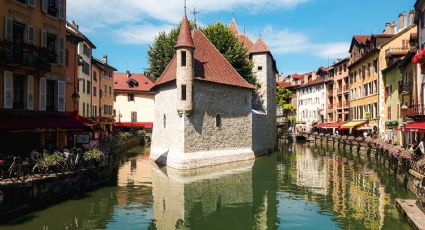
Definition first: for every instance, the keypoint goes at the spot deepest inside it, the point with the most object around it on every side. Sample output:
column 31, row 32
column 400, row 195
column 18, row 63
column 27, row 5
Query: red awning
column 331, row 125
column 418, row 127
column 81, row 119
column 147, row 125
column 33, row 123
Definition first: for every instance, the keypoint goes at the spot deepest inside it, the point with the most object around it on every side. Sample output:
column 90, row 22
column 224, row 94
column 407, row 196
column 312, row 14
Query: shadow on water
column 302, row 187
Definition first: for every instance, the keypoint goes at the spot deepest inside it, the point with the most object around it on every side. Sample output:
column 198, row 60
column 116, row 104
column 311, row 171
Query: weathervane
column 194, row 15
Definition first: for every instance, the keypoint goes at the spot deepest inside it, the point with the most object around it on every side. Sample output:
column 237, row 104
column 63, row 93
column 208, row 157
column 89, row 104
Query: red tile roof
column 210, row 65
column 246, row 41
column 121, row 82
column 259, row 47
column 284, row 84
column 362, row 38
column 313, row 82
column 184, row 39
column 234, row 26
column 297, row 76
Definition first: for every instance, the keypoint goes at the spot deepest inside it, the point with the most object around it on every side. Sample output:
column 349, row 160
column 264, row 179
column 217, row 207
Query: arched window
column 218, row 121
column 164, row 120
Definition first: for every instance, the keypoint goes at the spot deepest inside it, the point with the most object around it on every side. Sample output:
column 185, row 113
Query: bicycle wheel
column 24, row 173
column 13, row 174
column 38, row 172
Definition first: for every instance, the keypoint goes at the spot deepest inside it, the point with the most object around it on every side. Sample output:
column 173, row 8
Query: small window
column 260, row 68
column 183, row 92
column 183, row 58
column 218, row 121
column 133, row 117
column 130, row 97
column 164, row 121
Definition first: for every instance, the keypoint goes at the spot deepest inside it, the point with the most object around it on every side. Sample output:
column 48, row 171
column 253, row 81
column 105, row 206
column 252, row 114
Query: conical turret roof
column 185, row 37
column 234, row 27
column 259, row 47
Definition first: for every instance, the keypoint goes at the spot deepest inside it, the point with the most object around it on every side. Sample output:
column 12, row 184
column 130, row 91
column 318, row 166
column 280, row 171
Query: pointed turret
column 185, row 37
column 259, row 47
column 185, row 69
column 234, row 26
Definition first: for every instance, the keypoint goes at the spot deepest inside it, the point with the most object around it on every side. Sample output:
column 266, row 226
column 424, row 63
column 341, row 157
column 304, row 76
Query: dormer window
column 133, row 83
column 183, row 61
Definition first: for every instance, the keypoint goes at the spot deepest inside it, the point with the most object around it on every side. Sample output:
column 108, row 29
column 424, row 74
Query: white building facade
column 134, row 102
column 311, row 101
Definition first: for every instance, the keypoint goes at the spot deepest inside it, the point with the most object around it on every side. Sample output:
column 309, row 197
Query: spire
column 234, row 26
column 185, row 37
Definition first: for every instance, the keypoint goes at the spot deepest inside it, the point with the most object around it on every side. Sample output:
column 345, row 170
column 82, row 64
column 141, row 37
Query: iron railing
column 26, row 55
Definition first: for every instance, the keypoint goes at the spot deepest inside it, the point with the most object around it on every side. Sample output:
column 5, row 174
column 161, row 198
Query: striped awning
column 353, row 124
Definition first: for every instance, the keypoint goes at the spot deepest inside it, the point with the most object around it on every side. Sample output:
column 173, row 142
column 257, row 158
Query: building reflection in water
column 211, row 198
column 357, row 197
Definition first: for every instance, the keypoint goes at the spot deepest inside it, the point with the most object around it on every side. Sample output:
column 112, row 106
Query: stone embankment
column 19, row 198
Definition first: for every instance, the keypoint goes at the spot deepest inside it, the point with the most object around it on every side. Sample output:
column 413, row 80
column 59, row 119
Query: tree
column 284, row 100
column 163, row 49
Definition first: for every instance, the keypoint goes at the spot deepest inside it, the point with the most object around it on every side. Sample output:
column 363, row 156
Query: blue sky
column 303, row 34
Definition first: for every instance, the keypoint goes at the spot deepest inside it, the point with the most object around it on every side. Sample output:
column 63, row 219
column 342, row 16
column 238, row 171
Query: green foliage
column 93, row 154
column 231, row 48
column 163, row 49
column 51, row 160
column 284, row 100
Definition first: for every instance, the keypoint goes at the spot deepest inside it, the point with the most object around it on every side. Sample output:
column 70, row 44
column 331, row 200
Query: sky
column 302, row 34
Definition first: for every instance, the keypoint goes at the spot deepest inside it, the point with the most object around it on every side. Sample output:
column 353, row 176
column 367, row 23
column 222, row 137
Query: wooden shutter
column 43, row 39
column 31, row 3
column 61, row 53
column 57, row 49
column 8, row 28
column 44, row 6
column 31, row 35
column 61, row 9
column 30, row 92
column 43, row 90
column 61, row 96
column 8, row 90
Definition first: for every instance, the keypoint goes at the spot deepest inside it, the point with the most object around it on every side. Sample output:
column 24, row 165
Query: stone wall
column 233, row 104
column 19, row 198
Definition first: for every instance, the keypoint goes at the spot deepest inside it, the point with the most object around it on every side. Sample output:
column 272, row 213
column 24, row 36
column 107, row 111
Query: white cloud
column 292, row 42
column 140, row 34
column 101, row 13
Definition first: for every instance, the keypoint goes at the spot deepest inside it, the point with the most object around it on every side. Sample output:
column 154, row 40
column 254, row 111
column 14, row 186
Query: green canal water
column 302, row 187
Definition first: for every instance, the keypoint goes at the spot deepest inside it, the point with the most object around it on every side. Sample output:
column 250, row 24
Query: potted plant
column 93, row 157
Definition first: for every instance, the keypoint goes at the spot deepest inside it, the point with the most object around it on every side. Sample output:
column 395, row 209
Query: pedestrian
column 365, row 134
column 421, row 147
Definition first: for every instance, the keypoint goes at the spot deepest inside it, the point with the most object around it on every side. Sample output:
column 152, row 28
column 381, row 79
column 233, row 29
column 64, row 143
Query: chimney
column 402, row 18
column 387, row 29
column 75, row 25
column 128, row 74
column 393, row 27
column 105, row 59
column 411, row 17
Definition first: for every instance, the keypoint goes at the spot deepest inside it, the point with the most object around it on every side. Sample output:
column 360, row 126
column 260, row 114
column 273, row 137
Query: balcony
column 391, row 52
column 24, row 55
column 416, row 110
column 405, row 88
column 339, row 91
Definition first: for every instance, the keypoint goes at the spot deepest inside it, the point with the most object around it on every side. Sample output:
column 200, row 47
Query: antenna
column 194, row 15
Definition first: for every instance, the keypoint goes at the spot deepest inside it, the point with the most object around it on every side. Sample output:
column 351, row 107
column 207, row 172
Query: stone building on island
column 204, row 109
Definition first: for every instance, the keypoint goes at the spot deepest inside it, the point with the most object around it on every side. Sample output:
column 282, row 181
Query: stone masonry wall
column 234, row 106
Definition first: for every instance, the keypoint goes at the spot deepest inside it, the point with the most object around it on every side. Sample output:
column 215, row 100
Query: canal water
column 302, row 187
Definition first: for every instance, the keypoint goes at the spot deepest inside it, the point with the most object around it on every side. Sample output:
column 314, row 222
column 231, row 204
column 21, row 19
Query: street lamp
column 75, row 98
